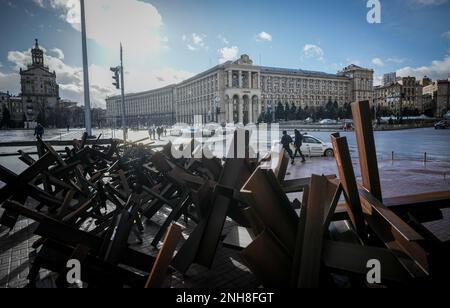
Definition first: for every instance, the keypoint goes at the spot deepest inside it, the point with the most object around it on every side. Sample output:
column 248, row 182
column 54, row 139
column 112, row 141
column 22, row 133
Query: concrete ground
column 397, row 178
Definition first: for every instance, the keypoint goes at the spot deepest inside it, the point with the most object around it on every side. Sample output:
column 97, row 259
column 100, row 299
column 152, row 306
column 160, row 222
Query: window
column 310, row 140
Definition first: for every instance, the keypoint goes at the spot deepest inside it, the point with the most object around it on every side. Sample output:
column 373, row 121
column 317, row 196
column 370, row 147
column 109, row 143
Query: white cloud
column 438, row 69
column 39, row 2
column 58, row 52
column 9, row 82
column 195, row 41
column 446, row 34
column 377, row 62
column 134, row 23
column 395, row 60
column 429, row 2
column 228, row 54
column 264, row 37
column 70, row 78
column 313, row 51
column 223, row 39
column 377, row 80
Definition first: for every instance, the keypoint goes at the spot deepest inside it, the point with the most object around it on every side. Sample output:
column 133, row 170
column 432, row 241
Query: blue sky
column 167, row 41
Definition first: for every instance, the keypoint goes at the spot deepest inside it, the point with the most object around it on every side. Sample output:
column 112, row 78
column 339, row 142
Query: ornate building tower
column 40, row 92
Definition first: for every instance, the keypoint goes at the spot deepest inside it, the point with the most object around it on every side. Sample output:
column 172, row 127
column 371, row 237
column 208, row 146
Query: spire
column 37, row 55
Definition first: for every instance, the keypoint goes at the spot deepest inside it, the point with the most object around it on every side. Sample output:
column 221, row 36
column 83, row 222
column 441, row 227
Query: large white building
column 239, row 92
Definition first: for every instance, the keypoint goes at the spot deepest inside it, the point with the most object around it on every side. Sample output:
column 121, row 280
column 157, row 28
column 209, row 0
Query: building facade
column 239, row 92
column 403, row 96
column 40, row 91
column 150, row 107
column 437, row 96
column 389, row 78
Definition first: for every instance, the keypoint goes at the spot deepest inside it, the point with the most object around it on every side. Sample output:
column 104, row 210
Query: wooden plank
column 439, row 199
column 366, row 148
column 235, row 173
column 322, row 201
column 55, row 143
column 66, row 203
column 347, row 258
column 174, row 215
column 295, row 271
column 264, row 194
column 124, row 182
column 268, row 260
column 348, row 181
column 396, row 234
column 79, row 211
column 238, row 238
column 282, row 165
column 298, row 185
column 30, row 173
column 164, row 257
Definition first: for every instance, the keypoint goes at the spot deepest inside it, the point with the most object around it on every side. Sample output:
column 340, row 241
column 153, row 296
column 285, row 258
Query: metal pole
column 87, row 100
column 124, row 121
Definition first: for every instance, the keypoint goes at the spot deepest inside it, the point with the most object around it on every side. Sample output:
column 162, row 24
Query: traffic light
column 116, row 82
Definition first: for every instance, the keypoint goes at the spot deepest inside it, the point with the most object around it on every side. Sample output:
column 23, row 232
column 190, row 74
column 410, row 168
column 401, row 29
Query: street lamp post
column 87, row 100
column 120, row 84
column 124, row 121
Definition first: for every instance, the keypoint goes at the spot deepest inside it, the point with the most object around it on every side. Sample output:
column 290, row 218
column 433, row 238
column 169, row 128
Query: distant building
column 437, row 96
column 240, row 92
column 400, row 97
column 388, row 97
column 4, row 101
column 361, row 80
column 40, row 91
column 389, row 78
column 15, row 109
column 425, row 81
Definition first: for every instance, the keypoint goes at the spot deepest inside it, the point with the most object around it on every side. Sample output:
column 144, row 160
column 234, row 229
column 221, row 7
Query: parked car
column 327, row 122
column 210, row 129
column 442, row 124
column 176, row 131
column 313, row 146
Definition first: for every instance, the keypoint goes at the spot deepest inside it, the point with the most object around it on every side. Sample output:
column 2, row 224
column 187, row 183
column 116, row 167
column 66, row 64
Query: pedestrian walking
column 150, row 132
column 286, row 141
column 39, row 131
column 298, row 142
column 159, row 132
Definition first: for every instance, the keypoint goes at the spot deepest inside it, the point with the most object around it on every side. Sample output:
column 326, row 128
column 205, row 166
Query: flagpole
column 87, row 100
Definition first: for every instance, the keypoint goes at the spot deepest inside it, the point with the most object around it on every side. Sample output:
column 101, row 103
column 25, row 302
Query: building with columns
column 155, row 107
column 239, row 92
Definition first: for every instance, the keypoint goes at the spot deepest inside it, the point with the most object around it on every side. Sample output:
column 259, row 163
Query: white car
column 327, row 122
column 313, row 146
column 176, row 131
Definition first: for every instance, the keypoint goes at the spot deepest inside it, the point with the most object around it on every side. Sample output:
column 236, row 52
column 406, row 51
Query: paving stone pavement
column 227, row 270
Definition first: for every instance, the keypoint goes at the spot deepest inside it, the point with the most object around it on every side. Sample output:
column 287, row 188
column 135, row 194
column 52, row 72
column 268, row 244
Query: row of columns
column 250, row 79
column 240, row 109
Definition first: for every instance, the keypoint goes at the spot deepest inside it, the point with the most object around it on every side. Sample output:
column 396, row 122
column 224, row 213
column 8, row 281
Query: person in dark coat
column 39, row 131
column 298, row 141
column 286, row 141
